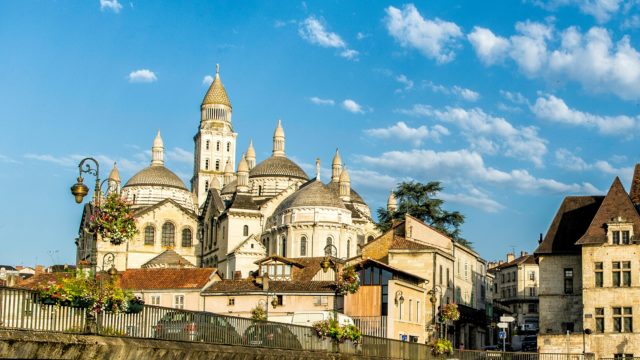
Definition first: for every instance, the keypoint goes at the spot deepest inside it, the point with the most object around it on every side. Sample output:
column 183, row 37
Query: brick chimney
column 523, row 253
column 237, row 275
column 510, row 257
column 265, row 282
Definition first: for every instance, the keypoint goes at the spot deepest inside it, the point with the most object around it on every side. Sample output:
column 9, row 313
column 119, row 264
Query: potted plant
column 441, row 347
column 338, row 333
column 348, row 281
column 114, row 220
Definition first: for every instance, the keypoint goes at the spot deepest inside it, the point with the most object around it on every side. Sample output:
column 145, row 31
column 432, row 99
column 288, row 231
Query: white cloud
column 601, row 10
column 474, row 198
column 555, row 109
column 319, row 101
column 362, row 35
column 352, row 106
column 142, row 76
column 401, row 131
column 489, row 48
column 567, row 160
column 489, row 134
column 514, row 97
column 462, row 165
column 112, row 5
column 105, row 161
column 179, row 155
column 435, row 39
column 7, row 159
column 592, row 59
column 372, row 179
column 207, row 80
column 463, row 93
column 408, row 83
column 314, row 31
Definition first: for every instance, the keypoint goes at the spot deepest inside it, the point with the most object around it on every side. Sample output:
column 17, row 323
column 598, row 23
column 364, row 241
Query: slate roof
column 616, row 204
column 569, row 224
column 334, row 186
column 229, row 188
column 243, row 201
column 168, row 259
column 278, row 166
column 312, row 193
column 156, row 279
column 525, row 259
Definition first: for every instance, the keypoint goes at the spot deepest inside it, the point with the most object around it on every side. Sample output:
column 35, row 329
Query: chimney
column 523, row 253
column 265, row 282
column 39, row 269
column 510, row 257
column 540, row 240
column 237, row 275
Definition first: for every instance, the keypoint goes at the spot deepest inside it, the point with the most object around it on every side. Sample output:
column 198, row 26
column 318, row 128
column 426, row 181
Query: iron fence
column 372, row 325
column 20, row 309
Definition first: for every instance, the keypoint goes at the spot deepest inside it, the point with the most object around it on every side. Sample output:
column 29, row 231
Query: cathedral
column 230, row 218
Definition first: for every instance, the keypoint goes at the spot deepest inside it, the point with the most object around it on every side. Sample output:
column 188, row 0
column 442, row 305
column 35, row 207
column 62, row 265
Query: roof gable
column 168, row 259
column 569, row 224
column 162, row 203
column 250, row 245
column 616, row 204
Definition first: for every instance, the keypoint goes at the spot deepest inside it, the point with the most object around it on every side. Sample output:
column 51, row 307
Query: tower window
column 218, row 146
column 245, row 230
column 186, row 237
column 348, row 248
column 206, row 164
column 217, row 165
column 283, row 251
column 228, row 146
column 207, row 145
column 206, row 184
column 303, row 246
column 259, row 190
column 149, row 233
column 168, row 234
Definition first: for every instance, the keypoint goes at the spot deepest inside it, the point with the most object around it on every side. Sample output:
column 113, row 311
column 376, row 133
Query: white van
column 307, row 318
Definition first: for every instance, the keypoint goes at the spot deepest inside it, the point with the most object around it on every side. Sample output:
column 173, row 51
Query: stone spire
column 243, row 176
column 278, row 140
column 215, row 184
column 113, row 184
column 345, row 185
column 336, row 167
column 318, row 169
column 392, row 202
column 217, row 94
column 251, row 155
column 634, row 192
column 157, row 151
column 228, row 173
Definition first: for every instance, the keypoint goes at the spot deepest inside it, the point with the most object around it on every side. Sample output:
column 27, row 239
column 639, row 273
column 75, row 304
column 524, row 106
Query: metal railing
column 19, row 309
column 371, row 325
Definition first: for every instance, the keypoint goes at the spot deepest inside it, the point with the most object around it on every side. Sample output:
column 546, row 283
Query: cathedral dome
column 278, row 166
column 313, row 193
column 217, row 95
column 156, row 176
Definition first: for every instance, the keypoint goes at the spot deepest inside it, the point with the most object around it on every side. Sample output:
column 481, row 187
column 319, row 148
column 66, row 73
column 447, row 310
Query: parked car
column 196, row 326
column 271, row 335
column 530, row 343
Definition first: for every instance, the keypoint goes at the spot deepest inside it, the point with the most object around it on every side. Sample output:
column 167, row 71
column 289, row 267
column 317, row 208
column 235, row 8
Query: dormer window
column 276, row 271
column 620, row 232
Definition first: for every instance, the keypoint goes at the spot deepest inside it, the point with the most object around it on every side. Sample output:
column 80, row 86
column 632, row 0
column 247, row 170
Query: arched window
column 186, row 237
column 245, row 230
column 206, row 184
column 370, row 239
column 283, row 249
column 329, row 249
column 206, row 164
column 207, row 144
column 303, row 246
column 149, row 234
column 215, row 261
column 259, row 190
column 348, row 248
column 228, row 146
column 218, row 146
column 217, row 165
column 168, row 234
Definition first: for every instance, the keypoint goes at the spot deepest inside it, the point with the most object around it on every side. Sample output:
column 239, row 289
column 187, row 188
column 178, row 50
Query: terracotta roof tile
column 152, row 279
column 401, row 243
column 247, row 285
column 525, row 259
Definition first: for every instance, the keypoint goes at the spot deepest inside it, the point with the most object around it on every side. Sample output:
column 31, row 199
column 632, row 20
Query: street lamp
column 399, row 299
column 433, row 299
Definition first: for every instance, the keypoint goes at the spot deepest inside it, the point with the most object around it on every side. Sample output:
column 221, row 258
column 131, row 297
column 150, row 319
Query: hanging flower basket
column 450, row 312
column 114, row 220
column 348, row 281
column 135, row 305
column 441, row 347
column 338, row 333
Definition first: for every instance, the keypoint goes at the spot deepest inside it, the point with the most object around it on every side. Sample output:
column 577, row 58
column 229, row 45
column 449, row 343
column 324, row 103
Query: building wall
column 243, row 303
column 559, row 307
column 601, row 345
column 192, row 298
column 407, row 317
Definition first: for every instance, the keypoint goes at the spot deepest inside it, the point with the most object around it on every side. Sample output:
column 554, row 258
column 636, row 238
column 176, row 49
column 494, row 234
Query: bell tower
column 215, row 142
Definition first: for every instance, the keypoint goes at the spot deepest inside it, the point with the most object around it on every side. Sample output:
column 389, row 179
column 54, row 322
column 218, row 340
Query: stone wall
column 556, row 306
column 601, row 345
column 18, row 344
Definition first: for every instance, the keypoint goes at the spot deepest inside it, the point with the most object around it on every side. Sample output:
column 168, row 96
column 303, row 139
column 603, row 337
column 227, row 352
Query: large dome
column 278, row 166
column 314, row 193
column 156, row 176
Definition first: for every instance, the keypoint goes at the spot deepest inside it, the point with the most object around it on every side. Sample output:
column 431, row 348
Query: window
column 625, row 237
column 410, row 309
column 440, row 279
column 168, row 234
column 228, row 146
column 448, row 277
column 206, row 164
column 283, row 244
column 186, row 237
column 532, row 291
column 245, row 230
column 417, row 311
column 533, row 308
column 217, row 165
column 207, row 144
column 621, row 273
column 503, row 278
column 155, row 300
column 622, row 356
column 149, row 235
column 231, row 301
column 303, row 246
column 622, row 319
column 259, row 190
column 206, row 184
column 178, row 301
column 615, row 278
column 218, row 146
column 320, row 300
column 598, row 270
column 626, row 273
column 616, row 238
column 532, row 275
column 348, row 248
column 599, row 320
column 280, row 300
column 568, row 280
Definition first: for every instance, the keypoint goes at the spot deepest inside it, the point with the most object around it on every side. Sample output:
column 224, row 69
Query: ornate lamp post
column 265, row 302
column 434, row 300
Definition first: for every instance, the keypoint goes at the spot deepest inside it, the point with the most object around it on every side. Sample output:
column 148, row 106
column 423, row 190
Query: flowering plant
column 441, row 347
column 114, row 220
column 259, row 313
column 348, row 281
column 336, row 332
column 450, row 312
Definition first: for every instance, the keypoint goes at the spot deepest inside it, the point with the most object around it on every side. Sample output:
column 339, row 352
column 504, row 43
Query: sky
column 512, row 105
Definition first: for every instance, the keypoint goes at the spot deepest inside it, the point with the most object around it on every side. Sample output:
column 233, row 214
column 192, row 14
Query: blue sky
column 512, row 105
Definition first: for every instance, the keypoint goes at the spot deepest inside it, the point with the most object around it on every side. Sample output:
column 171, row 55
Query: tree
column 418, row 200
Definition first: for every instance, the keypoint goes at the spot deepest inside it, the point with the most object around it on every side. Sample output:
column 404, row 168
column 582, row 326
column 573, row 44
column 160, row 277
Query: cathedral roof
column 279, row 166
column 168, row 259
column 313, row 193
column 156, row 176
column 229, row 188
column 355, row 197
column 217, row 95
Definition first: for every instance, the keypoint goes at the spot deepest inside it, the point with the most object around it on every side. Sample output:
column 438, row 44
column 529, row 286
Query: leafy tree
column 418, row 200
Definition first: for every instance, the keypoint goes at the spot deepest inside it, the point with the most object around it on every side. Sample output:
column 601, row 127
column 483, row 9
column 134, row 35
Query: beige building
column 588, row 274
